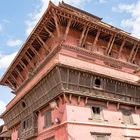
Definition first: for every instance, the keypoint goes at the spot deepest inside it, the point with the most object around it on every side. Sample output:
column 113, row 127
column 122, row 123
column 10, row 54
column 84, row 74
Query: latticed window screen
column 121, row 88
column 110, row 85
column 48, row 119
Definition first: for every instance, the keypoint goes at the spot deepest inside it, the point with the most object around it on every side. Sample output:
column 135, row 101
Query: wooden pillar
column 111, row 45
column 96, row 39
column 132, row 52
column 56, row 24
column 82, row 36
column 122, row 45
column 67, row 29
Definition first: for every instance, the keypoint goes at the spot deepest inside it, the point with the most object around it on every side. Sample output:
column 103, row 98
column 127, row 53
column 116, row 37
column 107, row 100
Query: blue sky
column 17, row 19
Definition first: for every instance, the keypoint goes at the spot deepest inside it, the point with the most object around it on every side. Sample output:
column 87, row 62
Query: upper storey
column 67, row 25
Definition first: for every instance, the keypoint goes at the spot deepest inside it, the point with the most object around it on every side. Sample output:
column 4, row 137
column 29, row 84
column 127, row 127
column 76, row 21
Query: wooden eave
column 65, row 11
column 69, row 7
column 27, row 43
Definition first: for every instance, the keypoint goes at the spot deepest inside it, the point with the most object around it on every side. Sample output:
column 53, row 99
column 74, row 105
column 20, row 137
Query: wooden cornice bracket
column 111, row 45
column 47, row 30
column 131, row 53
column 67, row 29
column 35, row 52
column 29, row 61
column 82, row 35
column 85, row 37
column 96, row 39
column 121, row 48
column 19, row 74
column 134, row 56
column 56, row 24
column 43, row 44
column 9, row 85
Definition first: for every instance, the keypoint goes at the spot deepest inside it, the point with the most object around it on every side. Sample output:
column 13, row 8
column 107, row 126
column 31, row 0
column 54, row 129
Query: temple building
column 75, row 78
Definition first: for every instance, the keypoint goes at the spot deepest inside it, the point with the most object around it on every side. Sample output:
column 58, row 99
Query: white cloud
column 134, row 21
column 13, row 43
column 36, row 15
column 5, row 60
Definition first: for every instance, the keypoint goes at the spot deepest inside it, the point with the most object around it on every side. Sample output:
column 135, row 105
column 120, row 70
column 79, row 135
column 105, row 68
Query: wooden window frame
column 48, row 112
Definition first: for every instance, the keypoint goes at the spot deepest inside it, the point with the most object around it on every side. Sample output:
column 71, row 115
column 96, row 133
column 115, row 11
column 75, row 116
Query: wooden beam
column 43, row 44
column 111, row 45
column 122, row 45
column 82, row 36
column 47, row 30
column 96, row 39
column 67, row 29
column 56, row 24
column 132, row 52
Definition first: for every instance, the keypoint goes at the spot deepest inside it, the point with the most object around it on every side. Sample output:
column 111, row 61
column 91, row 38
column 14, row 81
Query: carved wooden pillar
column 96, row 39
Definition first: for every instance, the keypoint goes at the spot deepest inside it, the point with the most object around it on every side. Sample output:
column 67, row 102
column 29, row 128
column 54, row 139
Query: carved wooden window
column 26, row 124
column 97, row 82
column 47, row 119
